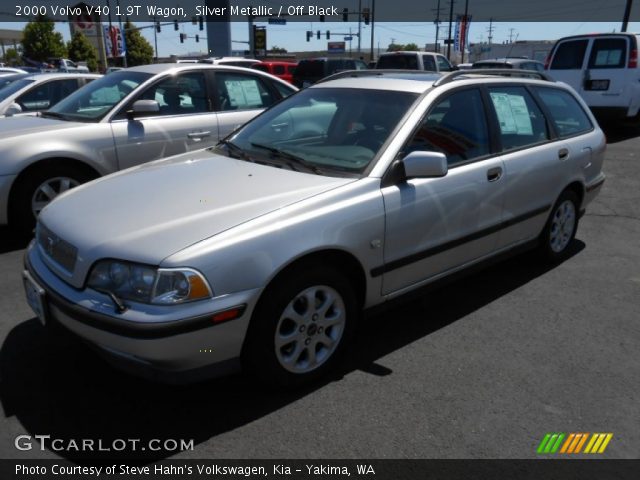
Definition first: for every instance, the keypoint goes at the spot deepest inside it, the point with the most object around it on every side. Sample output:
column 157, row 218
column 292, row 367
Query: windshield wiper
column 292, row 159
column 57, row 115
column 234, row 149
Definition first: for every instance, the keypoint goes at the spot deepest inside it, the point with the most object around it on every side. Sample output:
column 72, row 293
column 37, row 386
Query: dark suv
column 310, row 70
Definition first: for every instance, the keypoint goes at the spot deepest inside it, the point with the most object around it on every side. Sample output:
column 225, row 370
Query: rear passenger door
column 568, row 61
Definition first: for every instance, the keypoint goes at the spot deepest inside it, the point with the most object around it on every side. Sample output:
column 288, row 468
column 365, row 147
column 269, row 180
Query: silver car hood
column 26, row 124
column 147, row 213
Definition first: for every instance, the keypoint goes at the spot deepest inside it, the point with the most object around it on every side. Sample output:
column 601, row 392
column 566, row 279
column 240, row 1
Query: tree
column 40, row 41
column 394, row 47
column 139, row 50
column 11, row 56
column 276, row 49
column 81, row 50
column 410, row 47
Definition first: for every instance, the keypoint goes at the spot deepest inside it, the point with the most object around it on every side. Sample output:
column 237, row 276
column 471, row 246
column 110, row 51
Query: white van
column 602, row 68
column 427, row 61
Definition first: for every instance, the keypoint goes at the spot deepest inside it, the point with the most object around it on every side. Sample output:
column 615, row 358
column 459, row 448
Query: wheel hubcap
column 50, row 189
column 309, row 329
column 562, row 226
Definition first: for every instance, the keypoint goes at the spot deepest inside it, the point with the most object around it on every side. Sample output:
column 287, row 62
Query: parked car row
column 264, row 248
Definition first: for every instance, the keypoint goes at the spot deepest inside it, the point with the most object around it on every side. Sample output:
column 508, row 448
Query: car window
column 455, row 126
column 608, row 53
column 93, row 101
column 291, row 69
column 46, row 94
column 261, row 66
column 278, row 69
column 521, row 121
column 569, row 55
column 333, row 129
column 178, row 94
column 443, row 64
column 398, row 61
column 283, row 90
column 567, row 115
column 237, row 91
column 429, row 63
column 360, row 65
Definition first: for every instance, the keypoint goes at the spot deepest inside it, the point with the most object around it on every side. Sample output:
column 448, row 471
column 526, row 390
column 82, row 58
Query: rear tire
column 561, row 227
column 301, row 326
column 33, row 192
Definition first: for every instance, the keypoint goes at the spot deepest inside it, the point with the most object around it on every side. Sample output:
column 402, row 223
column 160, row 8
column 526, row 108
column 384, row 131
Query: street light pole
column 449, row 37
column 373, row 21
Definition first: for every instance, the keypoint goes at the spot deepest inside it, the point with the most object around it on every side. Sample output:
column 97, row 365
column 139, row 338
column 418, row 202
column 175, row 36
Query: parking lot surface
column 481, row 368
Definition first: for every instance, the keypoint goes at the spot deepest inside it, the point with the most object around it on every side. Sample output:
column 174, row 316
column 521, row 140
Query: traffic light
column 318, row 34
column 345, row 14
column 201, row 22
column 182, row 37
column 328, row 34
column 309, row 35
column 197, row 37
column 365, row 15
column 158, row 29
column 175, row 25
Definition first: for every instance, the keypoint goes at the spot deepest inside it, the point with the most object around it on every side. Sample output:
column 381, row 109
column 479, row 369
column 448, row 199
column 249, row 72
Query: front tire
column 561, row 227
column 301, row 326
column 33, row 192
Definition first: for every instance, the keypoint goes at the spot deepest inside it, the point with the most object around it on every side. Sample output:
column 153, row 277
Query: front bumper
column 182, row 344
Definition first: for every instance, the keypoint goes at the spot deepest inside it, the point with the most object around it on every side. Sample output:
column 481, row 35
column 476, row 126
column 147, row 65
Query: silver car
column 30, row 93
column 262, row 251
column 123, row 119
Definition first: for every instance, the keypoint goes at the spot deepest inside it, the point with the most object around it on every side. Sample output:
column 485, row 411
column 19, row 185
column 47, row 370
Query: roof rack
column 372, row 72
column 503, row 72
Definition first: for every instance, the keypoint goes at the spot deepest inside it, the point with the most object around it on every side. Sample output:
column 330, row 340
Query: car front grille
column 60, row 251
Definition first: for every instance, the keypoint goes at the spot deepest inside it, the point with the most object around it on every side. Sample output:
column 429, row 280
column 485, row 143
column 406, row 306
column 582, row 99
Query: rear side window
column 291, row 69
column 567, row 115
column 237, row 91
column 569, row 55
column 608, row 53
column 455, row 126
column 444, row 64
column 398, row 61
column 521, row 121
column 310, row 68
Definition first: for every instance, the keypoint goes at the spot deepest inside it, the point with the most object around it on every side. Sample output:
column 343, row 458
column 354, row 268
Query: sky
column 293, row 35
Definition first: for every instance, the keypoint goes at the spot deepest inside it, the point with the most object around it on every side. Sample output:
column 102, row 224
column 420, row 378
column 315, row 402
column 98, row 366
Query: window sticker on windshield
column 513, row 114
column 243, row 93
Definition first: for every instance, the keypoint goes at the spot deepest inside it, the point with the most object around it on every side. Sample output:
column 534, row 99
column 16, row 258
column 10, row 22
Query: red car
column 283, row 70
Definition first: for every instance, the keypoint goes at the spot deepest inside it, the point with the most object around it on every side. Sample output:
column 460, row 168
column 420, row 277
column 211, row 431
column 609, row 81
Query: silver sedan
column 120, row 120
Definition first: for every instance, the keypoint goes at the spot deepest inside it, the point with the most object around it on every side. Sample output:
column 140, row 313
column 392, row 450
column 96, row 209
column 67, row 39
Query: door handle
column 563, row 153
column 494, row 174
column 198, row 135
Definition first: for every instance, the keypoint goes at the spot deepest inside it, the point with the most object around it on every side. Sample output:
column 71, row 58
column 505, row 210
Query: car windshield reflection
column 92, row 102
column 337, row 130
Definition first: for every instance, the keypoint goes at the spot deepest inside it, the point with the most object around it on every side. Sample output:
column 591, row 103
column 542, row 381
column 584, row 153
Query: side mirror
column 13, row 109
column 421, row 164
column 143, row 107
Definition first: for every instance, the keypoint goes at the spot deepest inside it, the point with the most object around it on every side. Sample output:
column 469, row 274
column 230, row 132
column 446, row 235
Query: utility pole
column 511, row 30
column 449, row 37
column 373, row 21
column 437, row 22
column 155, row 36
column 463, row 37
column 359, row 23
column 490, row 30
column 627, row 13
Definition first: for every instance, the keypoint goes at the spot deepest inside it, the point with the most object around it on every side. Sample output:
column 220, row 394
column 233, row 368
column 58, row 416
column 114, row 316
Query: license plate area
column 35, row 297
column 597, row 85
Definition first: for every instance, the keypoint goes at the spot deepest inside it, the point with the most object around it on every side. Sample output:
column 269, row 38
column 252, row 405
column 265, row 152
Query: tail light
column 633, row 58
column 547, row 62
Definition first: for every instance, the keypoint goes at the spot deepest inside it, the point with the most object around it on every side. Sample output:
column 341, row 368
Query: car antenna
column 512, row 45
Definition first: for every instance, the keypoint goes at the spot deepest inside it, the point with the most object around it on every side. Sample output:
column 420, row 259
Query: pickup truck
column 66, row 65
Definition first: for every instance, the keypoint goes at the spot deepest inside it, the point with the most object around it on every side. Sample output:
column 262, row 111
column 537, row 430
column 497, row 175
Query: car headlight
column 142, row 283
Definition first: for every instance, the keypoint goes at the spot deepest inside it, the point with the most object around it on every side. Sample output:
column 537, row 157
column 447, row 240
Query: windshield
column 12, row 84
column 333, row 131
column 92, row 102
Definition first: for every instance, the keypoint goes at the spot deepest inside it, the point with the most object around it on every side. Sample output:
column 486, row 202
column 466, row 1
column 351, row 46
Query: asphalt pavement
column 481, row 368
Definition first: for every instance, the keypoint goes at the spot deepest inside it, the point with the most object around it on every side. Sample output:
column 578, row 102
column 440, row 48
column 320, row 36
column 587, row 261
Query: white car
column 10, row 71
